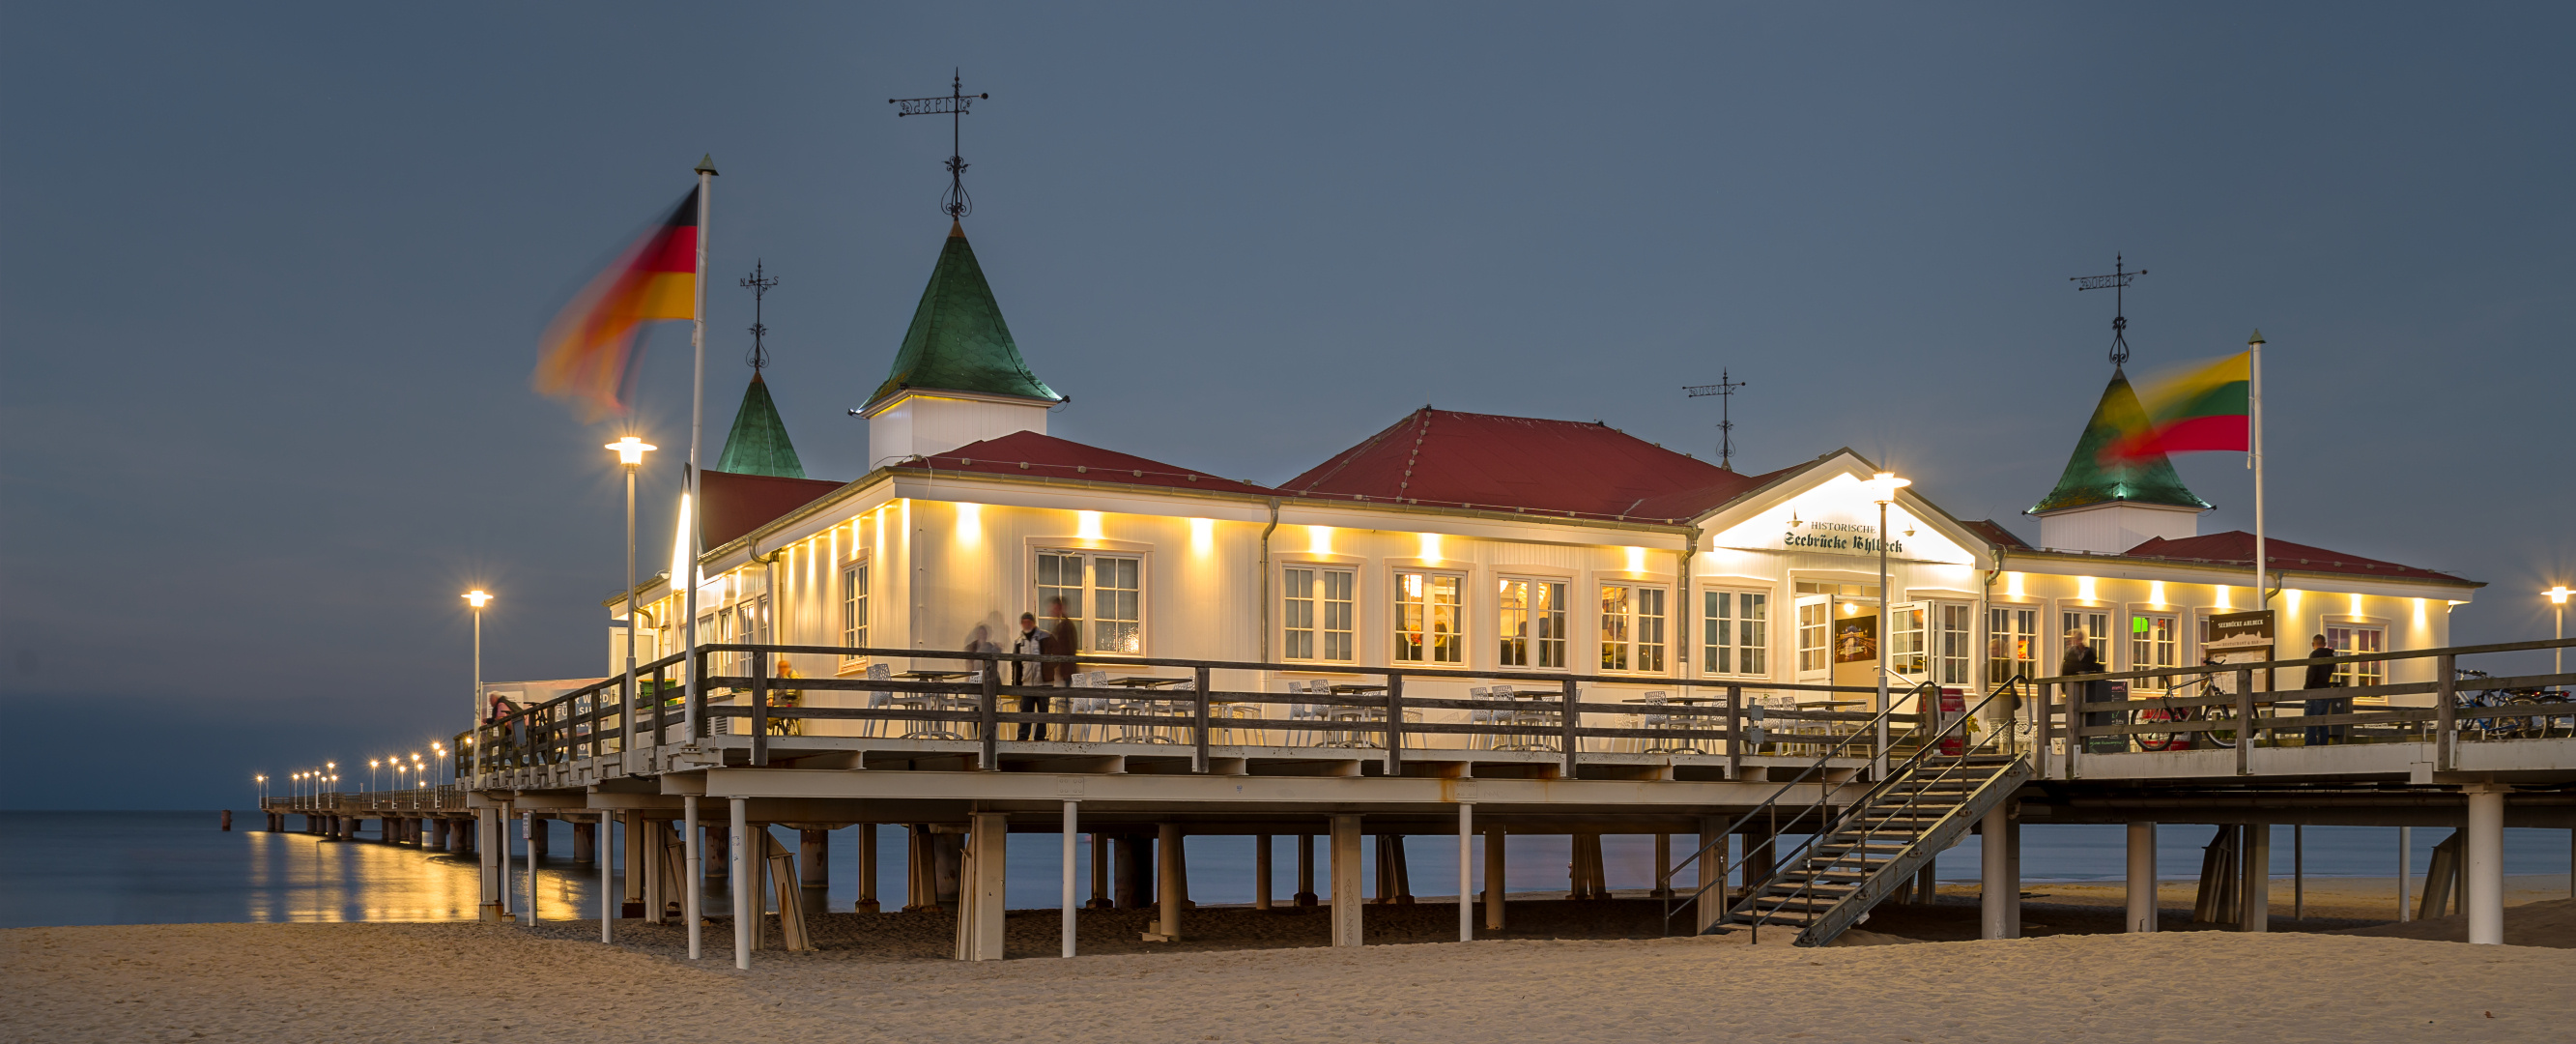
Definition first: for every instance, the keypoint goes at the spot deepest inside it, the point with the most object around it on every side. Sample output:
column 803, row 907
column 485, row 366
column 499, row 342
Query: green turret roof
column 758, row 444
column 2090, row 480
column 958, row 341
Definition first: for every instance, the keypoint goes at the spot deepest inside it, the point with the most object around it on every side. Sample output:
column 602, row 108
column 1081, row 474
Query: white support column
column 982, row 897
column 1466, row 871
column 608, row 894
column 742, row 882
column 528, row 831
column 2484, row 880
column 1167, row 883
column 694, row 885
column 1712, row 903
column 1497, row 883
column 1072, row 834
column 1998, row 893
column 1347, row 895
column 2254, row 913
column 2142, row 877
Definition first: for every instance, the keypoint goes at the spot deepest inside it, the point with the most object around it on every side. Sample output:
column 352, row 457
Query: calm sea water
column 177, row 867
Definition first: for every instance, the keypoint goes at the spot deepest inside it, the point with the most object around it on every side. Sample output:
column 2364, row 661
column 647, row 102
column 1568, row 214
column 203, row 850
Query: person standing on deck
column 1068, row 642
column 2081, row 659
column 1033, row 642
column 2321, row 676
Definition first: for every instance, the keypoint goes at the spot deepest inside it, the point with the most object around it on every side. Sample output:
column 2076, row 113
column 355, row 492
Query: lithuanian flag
column 588, row 352
column 2205, row 407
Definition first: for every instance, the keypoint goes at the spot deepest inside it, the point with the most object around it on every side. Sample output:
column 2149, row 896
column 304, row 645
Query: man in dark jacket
column 2081, row 659
column 1032, row 642
column 2321, row 676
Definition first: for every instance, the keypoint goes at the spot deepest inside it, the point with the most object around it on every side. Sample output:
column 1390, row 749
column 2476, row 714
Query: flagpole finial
column 2256, row 339
column 707, row 164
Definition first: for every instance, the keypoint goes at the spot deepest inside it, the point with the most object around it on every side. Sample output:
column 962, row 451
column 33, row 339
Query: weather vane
column 1724, row 389
column 758, row 282
column 2118, row 283
column 954, row 204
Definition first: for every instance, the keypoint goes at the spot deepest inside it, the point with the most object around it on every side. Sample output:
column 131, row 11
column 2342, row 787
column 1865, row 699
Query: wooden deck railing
column 1378, row 716
column 2208, row 715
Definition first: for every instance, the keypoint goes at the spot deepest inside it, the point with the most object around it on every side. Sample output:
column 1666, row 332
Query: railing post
column 2244, row 720
column 659, row 722
column 1199, row 757
column 1734, row 732
column 698, row 697
column 1394, row 724
column 2041, row 713
column 760, row 707
column 2446, row 710
column 2075, row 696
column 991, row 756
column 1570, row 720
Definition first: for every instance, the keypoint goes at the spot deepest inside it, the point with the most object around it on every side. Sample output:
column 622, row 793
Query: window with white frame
column 2012, row 643
column 2356, row 640
column 1906, row 653
column 1428, row 618
column 1103, row 594
column 1815, row 622
column 2096, row 626
column 1531, row 622
column 854, row 607
column 1632, row 628
column 1735, row 632
column 1953, row 636
column 1316, row 613
column 2155, row 640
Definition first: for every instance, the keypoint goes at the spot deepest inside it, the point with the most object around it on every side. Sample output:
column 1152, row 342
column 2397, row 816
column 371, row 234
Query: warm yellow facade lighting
column 2012, row 585
column 1202, row 536
column 1319, row 540
column 1636, row 560
column 2222, row 593
column 2356, row 603
column 2084, row 589
column 970, row 524
column 1086, row 525
column 2156, row 593
column 1431, row 547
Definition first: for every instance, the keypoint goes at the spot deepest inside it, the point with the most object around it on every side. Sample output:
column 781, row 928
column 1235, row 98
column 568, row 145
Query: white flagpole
column 2253, row 459
column 697, row 424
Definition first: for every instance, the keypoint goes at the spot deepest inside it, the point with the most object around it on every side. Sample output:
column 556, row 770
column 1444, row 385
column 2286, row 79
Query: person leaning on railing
column 2321, row 676
column 2081, row 659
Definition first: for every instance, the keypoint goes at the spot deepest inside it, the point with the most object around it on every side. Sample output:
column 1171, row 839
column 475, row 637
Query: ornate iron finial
column 758, row 282
column 955, row 203
column 2118, row 283
column 1724, row 389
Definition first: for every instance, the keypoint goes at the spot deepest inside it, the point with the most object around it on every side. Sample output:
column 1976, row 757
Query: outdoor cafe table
column 1147, row 707
column 931, row 701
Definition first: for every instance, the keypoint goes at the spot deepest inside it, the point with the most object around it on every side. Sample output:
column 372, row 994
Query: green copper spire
column 958, row 341
column 758, row 444
column 2088, row 480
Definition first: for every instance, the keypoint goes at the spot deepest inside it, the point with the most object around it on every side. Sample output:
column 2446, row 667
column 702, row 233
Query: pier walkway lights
column 630, row 453
column 1882, row 491
column 477, row 598
column 2558, row 598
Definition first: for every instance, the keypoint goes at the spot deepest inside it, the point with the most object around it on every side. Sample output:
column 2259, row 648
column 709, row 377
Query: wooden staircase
column 1829, row 884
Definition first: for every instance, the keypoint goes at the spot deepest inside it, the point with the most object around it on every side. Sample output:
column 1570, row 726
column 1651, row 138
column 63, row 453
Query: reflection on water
column 177, row 867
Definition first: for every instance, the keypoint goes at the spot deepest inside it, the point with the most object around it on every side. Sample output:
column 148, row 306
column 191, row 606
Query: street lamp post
column 477, row 598
column 2558, row 598
column 1882, row 489
column 630, row 455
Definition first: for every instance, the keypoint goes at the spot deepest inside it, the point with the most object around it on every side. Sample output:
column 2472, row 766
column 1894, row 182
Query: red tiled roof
column 1029, row 454
column 1996, row 534
column 2236, row 547
column 738, row 504
column 1495, row 463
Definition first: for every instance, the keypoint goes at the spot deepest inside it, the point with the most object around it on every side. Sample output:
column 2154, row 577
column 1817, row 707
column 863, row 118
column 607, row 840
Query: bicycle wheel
column 2152, row 741
column 2221, row 737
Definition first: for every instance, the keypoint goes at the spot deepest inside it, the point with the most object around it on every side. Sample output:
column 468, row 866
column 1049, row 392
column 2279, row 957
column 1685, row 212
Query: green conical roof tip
column 2090, row 480
column 957, row 341
column 758, row 444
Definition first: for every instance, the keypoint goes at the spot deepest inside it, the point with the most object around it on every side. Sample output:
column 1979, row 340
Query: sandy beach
column 477, row 982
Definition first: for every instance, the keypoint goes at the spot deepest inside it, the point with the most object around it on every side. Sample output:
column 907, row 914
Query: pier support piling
column 694, row 884
column 981, row 890
column 1100, row 859
column 867, row 869
column 1306, row 870
column 1261, row 871
column 813, row 858
column 1072, row 824
column 1168, row 859
column 1134, row 871
column 1347, row 899
column 1466, row 871
column 585, row 843
column 1711, row 904
column 2254, row 862
column 742, row 883
column 609, row 899
column 636, row 863
column 2142, row 877
column 492, row 906
column 1497, row 888
column 1998, row 887
column 2484, row 882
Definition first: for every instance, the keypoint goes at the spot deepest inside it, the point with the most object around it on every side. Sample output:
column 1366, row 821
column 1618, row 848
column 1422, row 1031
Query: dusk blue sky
column 271, row 278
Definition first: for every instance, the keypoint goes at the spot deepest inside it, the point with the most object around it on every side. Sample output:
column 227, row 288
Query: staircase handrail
column 1781, row 864
column 1672, row 903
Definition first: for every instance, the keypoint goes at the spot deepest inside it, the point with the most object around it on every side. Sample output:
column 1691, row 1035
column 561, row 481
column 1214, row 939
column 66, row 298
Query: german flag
column 588, row 353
